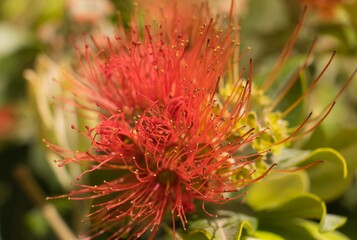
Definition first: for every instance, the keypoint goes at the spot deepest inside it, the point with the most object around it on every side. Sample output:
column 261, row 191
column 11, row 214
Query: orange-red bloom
column 171, row 142
column 168, row 160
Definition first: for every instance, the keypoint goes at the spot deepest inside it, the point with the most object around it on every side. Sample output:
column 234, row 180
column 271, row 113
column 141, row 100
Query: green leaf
column 317, row 139
column 333, row 171
column 290, row 157
column 229, row 225
column 314, row 229
column 297, row 229
column 345, row 142
column 326, row 178
column 343, row 138
column 306, row 205
column 276, row 189
column 265, row 235
column 330, row 222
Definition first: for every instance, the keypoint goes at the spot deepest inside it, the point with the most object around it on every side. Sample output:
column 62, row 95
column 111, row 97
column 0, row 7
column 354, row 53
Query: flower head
column 170, row 137
column 165, row 164
column 168, row 156
column 172, row 142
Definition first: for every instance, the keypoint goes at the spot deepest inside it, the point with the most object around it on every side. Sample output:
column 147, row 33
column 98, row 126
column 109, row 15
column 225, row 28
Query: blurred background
column 38, row 43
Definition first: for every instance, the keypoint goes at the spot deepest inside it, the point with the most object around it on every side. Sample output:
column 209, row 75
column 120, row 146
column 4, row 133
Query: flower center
column 155, row 131
column 167, row 177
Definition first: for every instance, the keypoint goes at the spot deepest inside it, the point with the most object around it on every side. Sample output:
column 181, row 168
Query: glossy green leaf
column 314, row 230
column 265, row 235
column 333, row 171
column 290, row 158
column 298, row 229
column 229, row 225
column 343, row 138
column 276, row 189
column 306, row 205
column 317, row 139
column 326, row 178
column 345, row 142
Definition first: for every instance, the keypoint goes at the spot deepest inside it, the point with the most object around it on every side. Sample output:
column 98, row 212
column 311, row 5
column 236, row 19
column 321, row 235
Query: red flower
column 167, row 160
column 169, row 140
column 174, row 57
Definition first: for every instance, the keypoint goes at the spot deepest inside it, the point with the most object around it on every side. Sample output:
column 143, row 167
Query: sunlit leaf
column 314, row 229
column 229, row 225
column 343, row 138
column 297, row 229
column 326, row 178
column 330, row 222
column 290, row 158
column 304, row 206
column 276, row 189
column 265, row 235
